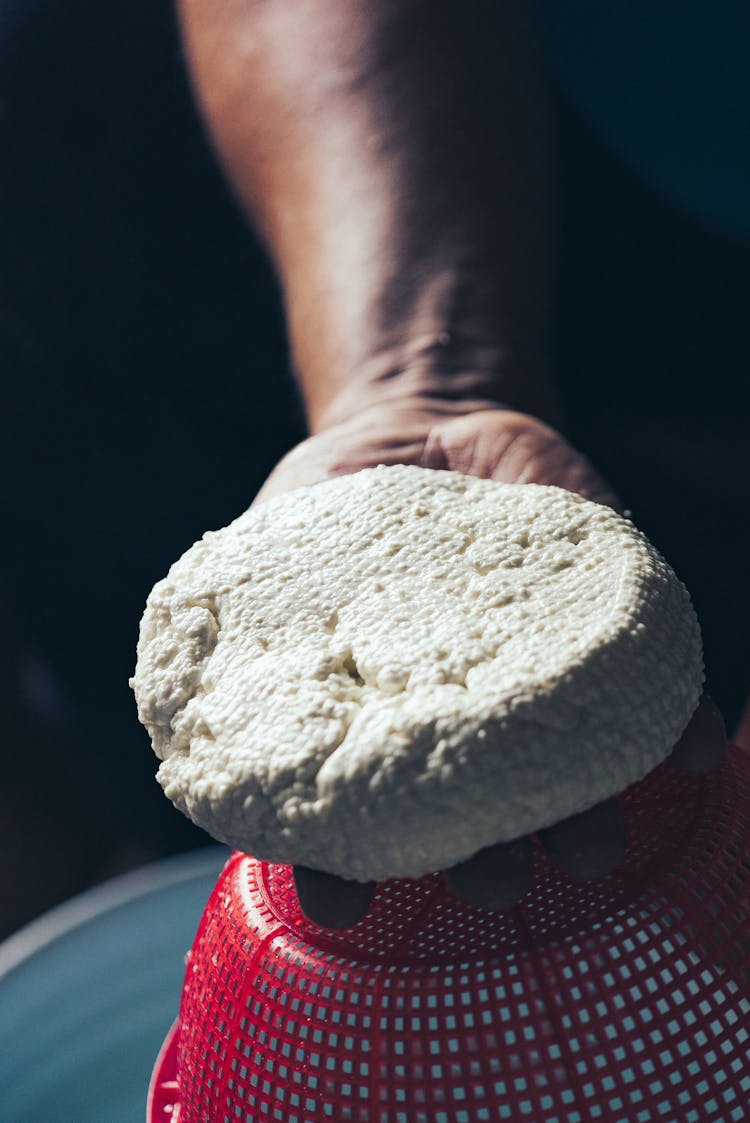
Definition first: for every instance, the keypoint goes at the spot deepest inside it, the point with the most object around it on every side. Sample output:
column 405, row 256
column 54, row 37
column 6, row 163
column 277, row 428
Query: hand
column 514, row 448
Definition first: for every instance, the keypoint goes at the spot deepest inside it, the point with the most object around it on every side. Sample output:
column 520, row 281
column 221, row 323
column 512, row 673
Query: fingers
column 589, row 845
column 701, row 746
column 329, row 900
column 495, row 878
column 585, row 847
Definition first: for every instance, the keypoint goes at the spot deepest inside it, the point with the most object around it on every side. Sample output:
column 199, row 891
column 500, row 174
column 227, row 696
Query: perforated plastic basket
column 624, row 1000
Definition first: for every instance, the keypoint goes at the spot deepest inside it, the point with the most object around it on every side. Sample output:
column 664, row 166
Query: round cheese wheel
column 382, row 674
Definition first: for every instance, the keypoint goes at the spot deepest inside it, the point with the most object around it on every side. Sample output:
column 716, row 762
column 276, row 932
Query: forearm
column 392, row 156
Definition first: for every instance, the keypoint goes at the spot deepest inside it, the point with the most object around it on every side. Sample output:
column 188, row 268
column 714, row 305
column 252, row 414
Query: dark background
column 146, row 395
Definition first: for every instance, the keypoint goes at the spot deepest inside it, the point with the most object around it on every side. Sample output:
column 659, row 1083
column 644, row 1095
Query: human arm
column 392, row 157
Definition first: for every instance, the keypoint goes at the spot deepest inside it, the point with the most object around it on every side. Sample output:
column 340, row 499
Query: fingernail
column 331, row 901
column 495, row 878
column 702, row 745
column 589, row 845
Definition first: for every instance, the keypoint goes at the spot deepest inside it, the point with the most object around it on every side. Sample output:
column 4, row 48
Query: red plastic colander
column 626, row 1000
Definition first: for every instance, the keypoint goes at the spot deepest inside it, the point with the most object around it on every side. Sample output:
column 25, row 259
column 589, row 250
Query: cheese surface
column 380, row 675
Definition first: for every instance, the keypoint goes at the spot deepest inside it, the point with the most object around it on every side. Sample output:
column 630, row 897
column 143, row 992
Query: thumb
column 514, row 448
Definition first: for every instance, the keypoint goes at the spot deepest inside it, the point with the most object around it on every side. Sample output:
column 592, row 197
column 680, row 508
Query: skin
column 394, row 161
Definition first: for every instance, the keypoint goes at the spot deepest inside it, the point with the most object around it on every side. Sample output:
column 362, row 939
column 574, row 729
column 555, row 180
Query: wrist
column 453, row 333
column 440, row 375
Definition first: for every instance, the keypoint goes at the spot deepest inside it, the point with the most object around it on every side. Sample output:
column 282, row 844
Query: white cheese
column 379, row 675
